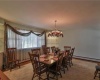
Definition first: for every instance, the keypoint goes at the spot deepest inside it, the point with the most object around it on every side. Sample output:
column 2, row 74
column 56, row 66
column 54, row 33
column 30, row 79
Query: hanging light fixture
column 55, row 33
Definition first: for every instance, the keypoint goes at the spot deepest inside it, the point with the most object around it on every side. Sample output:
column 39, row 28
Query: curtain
column 21, row 33
column 24, row 44
column 23, row 41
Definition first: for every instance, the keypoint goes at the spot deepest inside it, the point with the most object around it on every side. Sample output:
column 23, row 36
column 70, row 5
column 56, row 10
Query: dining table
column 49, row 59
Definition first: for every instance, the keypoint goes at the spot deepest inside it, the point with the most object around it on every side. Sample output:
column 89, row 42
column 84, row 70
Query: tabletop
column 48, row 59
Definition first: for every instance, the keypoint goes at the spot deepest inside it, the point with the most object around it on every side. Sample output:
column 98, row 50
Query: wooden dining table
column 49, row 60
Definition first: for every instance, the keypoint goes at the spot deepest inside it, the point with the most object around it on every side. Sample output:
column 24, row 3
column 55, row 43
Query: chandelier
column 55, row 32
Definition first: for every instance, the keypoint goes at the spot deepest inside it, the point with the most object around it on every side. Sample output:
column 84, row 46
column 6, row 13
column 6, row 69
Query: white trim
column 86, row 58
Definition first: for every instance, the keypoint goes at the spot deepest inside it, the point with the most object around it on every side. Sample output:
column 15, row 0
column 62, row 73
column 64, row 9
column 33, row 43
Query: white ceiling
column 43, row 13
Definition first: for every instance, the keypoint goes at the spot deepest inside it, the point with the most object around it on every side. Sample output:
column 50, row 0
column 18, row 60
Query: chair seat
column 53, row 69
column 13, row 60
column 41, row 70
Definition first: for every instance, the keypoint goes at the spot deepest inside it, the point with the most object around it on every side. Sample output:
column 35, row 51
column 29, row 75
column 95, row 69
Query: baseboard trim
column 86, row 58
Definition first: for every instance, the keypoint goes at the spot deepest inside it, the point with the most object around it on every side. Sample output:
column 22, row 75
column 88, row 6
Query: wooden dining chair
column 97, row 72
column 36, row 51
column 12, row 60
column 57, row 67
column 48, row 49
column 44, row 49
column 53, row 49
column 71, row 55
column 66, row 61
column 38, row 69
column 67, row 48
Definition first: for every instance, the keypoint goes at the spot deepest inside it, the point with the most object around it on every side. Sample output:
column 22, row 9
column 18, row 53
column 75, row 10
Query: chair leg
column 67, row 67
column 63, row 69
column 19, row 64
column 33, row 76
column 95, row 74
column 71, row 62
column 99, row 76
column 60, row 74
column 10, row 65
column 39, row 77
column 47, row 74
column 56, row 76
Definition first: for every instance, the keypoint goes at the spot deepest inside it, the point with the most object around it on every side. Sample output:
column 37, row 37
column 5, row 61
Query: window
column 30, row 41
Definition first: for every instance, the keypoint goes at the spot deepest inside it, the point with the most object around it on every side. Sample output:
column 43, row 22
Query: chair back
column 36, row 51
column 11, row 54
column 48, row 49
column 98, row 63
column 53, row 49
column 59, row 62
column 44, row 49
column 35, row 61
column 67, row 55
column 72, row 52
column 67, row 48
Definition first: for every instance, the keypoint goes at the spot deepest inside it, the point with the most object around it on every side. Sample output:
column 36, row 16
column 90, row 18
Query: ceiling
column 43, row 13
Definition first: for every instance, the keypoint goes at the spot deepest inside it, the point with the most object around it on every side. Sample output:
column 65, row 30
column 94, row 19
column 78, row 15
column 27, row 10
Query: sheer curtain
column 24, row 43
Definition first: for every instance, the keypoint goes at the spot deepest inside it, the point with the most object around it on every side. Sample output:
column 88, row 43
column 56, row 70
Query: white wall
column 85, row 39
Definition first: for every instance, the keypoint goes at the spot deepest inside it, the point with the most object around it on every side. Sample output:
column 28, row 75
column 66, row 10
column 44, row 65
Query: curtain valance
column 22, row 34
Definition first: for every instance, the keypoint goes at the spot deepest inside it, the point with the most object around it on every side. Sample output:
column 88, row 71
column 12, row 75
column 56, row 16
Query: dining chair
column 36, row 51
column 66, row 60
column 71, row 55
column 55, row 69
column 67, row 48
column 63, row 67
column 38, row 69
column 48, row 49
column 44, row 49
column 12, row 60
column 97, row 71
column 53, row 49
